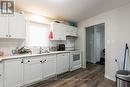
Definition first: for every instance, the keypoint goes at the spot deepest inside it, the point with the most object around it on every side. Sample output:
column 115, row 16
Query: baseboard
column 108, row 77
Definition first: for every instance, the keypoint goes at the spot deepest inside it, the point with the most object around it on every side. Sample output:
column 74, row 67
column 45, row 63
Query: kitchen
column 35, row 50
column 59, row 43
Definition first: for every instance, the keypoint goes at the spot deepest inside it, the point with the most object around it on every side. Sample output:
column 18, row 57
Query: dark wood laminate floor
column 92, row 76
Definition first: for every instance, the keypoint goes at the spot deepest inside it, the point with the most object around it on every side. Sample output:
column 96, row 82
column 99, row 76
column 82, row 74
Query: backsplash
column 7, row 45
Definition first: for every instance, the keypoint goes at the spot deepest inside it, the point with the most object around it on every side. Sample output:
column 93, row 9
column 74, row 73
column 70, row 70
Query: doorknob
column 28, row 60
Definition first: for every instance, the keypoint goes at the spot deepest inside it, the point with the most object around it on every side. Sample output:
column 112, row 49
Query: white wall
column 117, row 33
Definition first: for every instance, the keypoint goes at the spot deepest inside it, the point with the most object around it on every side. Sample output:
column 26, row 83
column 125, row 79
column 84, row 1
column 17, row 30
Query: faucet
column 42, row 50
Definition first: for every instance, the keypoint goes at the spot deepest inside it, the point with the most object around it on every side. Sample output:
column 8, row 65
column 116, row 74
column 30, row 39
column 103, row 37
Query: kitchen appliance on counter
column 75, row 60
column 61, row 47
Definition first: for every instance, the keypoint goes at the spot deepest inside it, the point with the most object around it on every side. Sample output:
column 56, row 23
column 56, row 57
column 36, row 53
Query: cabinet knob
column 41, row 61
column 28, row 60
column 22, row 61
column 44, row 61
column 6, row 35
column 9, row 35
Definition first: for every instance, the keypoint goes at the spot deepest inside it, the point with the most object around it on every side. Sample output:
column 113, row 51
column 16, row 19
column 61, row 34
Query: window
column 37, row 34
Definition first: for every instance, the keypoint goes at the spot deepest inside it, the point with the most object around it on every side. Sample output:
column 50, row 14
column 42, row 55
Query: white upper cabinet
column 60, row 31
column 17, row 26
column 12, row 26
column 3, row 26
column 13, row 73
column 71, row 31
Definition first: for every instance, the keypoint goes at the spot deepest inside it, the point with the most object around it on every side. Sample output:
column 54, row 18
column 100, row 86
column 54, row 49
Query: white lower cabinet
column 49, row 67
column 38, row 68
column 13, row 73
column 32, row 69
column 23, row 71
column 1, row 74
column 62, row 63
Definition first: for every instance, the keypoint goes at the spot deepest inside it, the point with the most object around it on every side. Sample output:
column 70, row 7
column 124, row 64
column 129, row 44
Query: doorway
column 95, row 44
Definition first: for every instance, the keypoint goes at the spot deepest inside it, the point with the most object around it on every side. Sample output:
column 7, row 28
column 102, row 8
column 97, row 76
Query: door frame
column 94, row 38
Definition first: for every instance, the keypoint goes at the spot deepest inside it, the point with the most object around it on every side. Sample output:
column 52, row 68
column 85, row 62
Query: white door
column 62, row 63
column 17, row 26
column 90, row 44
column 13, row 73
column 97, row 46
column 99, row 41
column 3, row 27
column 32, row 70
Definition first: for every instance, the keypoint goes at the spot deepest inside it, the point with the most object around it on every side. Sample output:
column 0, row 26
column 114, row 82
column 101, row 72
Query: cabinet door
column 62, row 63
column 58, row 31
column 32, row 70
column 1, row 74
column 3, row 27
column 13, row 73
column 17, row 26
column 49, row 66
column 49, row 69
column 71, row 31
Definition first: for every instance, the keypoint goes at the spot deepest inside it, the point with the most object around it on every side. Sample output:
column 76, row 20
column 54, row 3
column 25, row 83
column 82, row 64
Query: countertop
column 30, row 55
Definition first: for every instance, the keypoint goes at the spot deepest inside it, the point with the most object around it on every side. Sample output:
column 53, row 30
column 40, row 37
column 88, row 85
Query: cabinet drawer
column 64, row 54
column 50, row 58
column 33, row 60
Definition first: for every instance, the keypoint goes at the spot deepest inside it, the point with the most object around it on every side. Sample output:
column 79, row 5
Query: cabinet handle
column 63, row 55
column 28, row 60
column 0, row 75
column 22, row 61
column 9, row 35
column 44, row 61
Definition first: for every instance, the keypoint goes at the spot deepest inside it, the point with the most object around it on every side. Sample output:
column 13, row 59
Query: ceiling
column 70, row 10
